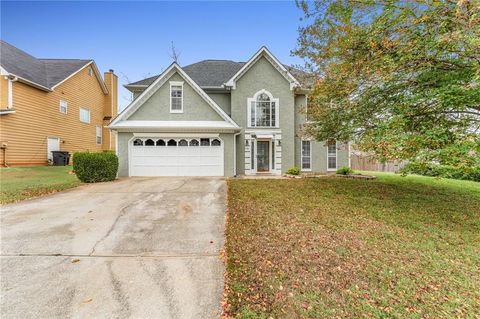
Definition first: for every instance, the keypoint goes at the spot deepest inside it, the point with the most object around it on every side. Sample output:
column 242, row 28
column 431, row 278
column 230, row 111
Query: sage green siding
column 223, row 100
column 157, row 107
column 262, row 75
column 318, row 148
column 122, row 151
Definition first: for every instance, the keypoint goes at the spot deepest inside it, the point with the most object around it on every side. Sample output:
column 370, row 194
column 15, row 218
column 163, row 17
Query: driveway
column 133, row 248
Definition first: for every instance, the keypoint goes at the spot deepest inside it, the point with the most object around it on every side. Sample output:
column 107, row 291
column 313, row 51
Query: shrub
column 293, row 171
column 95, row 167
column 446, row 171
column 344, row 170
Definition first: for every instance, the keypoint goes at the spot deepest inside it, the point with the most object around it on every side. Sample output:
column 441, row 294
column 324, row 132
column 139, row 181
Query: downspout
column 11, row 79
column 235, row 153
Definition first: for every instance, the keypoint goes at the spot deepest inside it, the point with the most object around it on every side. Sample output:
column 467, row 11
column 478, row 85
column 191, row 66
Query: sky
column 134, row 38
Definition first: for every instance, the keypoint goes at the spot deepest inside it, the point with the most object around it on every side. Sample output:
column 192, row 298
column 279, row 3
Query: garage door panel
column 176, row 160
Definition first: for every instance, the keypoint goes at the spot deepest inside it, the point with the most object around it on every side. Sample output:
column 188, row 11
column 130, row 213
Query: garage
column 176, row 156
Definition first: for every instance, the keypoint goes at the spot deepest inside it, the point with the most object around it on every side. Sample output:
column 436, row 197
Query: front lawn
column 394, row 247
column 18, row 183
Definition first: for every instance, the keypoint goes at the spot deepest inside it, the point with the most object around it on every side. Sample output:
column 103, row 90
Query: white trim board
column 273, row 60
column 157, row 84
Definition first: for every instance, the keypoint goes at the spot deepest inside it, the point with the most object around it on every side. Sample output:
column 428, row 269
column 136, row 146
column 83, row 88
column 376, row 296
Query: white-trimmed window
column 98, row 134
column 332, row 155
column 63, row 107
column 306, row 155
column 84, row 115
column 176, row 97
column 90, row 71
column 263, row 110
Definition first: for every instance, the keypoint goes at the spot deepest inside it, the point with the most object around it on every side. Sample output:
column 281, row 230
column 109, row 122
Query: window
column 98, row 134
column 176, row 97
column 149, row 142
column 306, row 155
column 205, row 142
column 63, row 107
column 160, row 143
column 216, row 142
column 90, row 71
column 84, row 115
column 332, row 155
column 138, row 142
column 263, row 110
column 182, row 143
column 172, row 143
column 194, row 143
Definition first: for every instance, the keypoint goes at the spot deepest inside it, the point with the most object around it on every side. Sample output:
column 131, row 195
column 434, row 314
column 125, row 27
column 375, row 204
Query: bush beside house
column 446, row 171
column 95, row 167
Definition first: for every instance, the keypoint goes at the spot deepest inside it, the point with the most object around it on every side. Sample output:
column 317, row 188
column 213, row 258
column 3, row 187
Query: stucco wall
column 262, row 75
column 318, row 148
column 124, row 138
column 157, row 107
column 223, row 100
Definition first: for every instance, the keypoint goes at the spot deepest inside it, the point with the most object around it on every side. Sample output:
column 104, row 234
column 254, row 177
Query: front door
column 263, row 156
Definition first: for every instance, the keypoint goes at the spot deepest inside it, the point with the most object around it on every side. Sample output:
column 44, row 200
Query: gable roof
column 44, row 74
column 215, row 73
column 264, row 52
column 206, row 73
column 157, row 83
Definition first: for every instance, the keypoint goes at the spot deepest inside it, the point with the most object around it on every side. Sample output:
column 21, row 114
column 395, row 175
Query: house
column 52, row 104
column 221, row 118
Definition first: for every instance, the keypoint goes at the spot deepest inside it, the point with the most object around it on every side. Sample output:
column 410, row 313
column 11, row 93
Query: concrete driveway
column 133, row 248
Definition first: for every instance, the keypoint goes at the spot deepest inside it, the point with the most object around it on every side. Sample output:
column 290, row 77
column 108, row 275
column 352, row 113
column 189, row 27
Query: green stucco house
column 221, row 118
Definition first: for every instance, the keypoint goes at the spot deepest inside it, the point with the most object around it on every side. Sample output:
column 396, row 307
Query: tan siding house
column 68, row 111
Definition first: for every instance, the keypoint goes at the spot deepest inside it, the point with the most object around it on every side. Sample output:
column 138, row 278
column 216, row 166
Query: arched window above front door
column 263, row 110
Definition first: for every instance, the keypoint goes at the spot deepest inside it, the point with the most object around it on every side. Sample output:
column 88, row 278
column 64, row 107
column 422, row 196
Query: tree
column 174, row 53
column 399, row 78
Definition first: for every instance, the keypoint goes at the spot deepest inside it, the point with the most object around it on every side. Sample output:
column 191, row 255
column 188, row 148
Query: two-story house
column 221, row 118
column 52, row 104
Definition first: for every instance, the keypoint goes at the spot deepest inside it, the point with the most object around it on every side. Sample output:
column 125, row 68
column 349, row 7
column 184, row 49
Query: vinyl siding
column 38, row 117
column 3, row 93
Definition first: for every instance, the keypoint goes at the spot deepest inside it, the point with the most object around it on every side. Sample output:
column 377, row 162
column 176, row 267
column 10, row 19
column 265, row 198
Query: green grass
column 394, row 247
column 19, row 183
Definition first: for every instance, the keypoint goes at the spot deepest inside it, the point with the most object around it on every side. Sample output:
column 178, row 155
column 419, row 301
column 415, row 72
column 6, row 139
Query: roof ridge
column 60, row 59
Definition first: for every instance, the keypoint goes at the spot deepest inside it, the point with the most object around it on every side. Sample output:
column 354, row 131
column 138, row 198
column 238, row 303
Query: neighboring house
column 221, row 118
column 52, row 104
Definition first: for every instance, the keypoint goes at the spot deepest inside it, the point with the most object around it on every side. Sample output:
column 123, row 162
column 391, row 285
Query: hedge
column 95, row 167
column 446, row 171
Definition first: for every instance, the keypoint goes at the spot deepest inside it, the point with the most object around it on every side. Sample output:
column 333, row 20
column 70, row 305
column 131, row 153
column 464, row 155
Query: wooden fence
column 366, row 163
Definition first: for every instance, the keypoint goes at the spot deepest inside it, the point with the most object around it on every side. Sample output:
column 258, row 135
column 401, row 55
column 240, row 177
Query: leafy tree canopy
column 399, row 78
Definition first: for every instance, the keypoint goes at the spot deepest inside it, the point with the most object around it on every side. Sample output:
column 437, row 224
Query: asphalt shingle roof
column 44, row 72
column 214, row 73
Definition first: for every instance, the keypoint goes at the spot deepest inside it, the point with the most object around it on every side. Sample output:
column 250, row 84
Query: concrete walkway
column 133, row 248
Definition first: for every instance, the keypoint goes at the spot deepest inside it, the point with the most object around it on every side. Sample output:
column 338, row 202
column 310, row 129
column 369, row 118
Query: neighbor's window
column 63, row 107
column 332, row 155
column 263, row 111
column 176, row 97
column 306, row 155
column 98, row 134
column 84, row 115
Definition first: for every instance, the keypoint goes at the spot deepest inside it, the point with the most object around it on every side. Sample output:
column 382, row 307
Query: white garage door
column 181, row 156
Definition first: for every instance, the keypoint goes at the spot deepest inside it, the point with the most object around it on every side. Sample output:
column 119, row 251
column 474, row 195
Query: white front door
column 53, row 144
column 176, row 156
